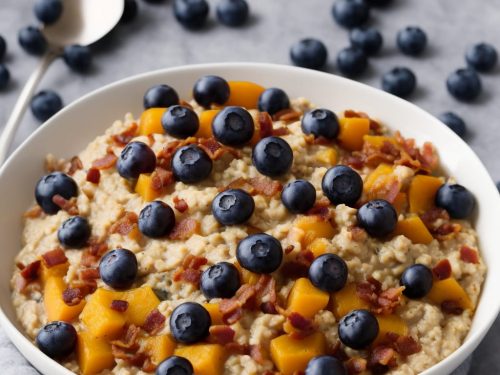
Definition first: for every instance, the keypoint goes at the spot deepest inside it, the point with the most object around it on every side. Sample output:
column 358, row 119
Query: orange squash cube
column 422, row 192
column 352, row 131
column 400, row 202
column 59, row 270
column 215, row 314
column 55, row 307
column 450, row 290
column 244, row 94
column 247, row 277
column 207, row 359
column 377, row 176
column 314, row 227
column 327, row 156
column 158, row 348
column 346, row 300
column 206, row 118
column 150, row 121
column 306, row 299
column 378, row 140
column 93, row 354
column 414, row 228
column 144, row 188
column 141, row 301
column 318, row 246
column 390, row 323
column 98, row 316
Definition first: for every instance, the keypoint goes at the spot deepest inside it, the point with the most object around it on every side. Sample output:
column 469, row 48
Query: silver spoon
column 82, row 22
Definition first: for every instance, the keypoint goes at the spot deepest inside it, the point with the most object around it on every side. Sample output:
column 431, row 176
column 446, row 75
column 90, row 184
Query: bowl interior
column 73, row 128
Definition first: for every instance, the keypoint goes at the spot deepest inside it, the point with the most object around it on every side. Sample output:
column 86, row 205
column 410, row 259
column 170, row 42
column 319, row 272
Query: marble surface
column 155, row 40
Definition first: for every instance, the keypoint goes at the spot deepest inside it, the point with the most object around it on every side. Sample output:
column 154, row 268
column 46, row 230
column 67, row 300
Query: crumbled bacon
column 382, row 355
column 354, row 160
column 161, row 178
column 435, row 213
column 97, row 247
column 126, row 347
column 125, row 224
column 442, row 270
column 257, row 353
column 106, row 162
column 446, row 231
column 34, row 212
column 221, row 334
column 165, row 155
column 215, row 150
column 86, row 286
column 303, row 326
column 268, row 308
column 88, row 259
column 54, row 257
column 30, row 272
column 299, row 266
column 75, row 164
column 133, row 359
column 72, row 296
column 94, row 175
column 190, row 269
column 287, row 115
column 89, row 274
column 265, row 186
column 406, row 345
column 184, row 229
column 469, row 255
column 265, row 125
column 68, row 205
column 358, row 234
column 355, row 365
column 126, row 136
column 451, row 307
column 119, row 305
column 180, row 204
column 148, row 366
column 231, row 309
column 381, row 301
column 154, row 322
column 236, row 348
column 130, row 339
column 321, row 208
column 281, row 131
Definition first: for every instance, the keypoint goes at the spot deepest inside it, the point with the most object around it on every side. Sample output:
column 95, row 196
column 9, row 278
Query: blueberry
column 210, row 90
column 130, row 9
column 74, row 232
column 342, row 185
column 482, row 57
column 328, row 272
column 45, row 104
column 321, row 123
column 191, row 14
column 273, row 100
column 272, row 156
column 55, row 183
column 180, row 122
column 411, row 40
column 454, row 122
column 175, row 365
column 48, row 11
column 464, row 84
column 325, row 365
column 32, row 40
column 4, row 76
column 456, row 200
column 221, row 280
column 350, row 13
column 160, row 96
column 417, row 280
column 118, row 268
column 298, row 196
column 191, row 164
column 232, row 13
column 378, row 3
column 189, row 323
column 378, row 217
column 309, row 53
column 3, row 47
column 358, row 329
column 351, row 61
column 156, row 220
column 233, row 206
column 136, row 158
column 78, row 58
column 259, row 253
column 57, row 339
column 233, row 126
column 399, row 81
column 368, row 39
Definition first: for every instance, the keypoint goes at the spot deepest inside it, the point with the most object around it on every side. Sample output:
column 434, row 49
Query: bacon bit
column 358, row 234
column 180, row 204
column 148, row 366
column 161, row 179
column 190, row 269
column 381, row 301
column 88, row 259
column 93, row 175
column 451, row 307
column 239, row 183
column 125, row 224
column 257, row 354
column 96, row 247
column 428, row 156
column 133, row 359
column 72, row 296
column 442, row 270
column 321, row 208
column 355, row 365
column 265, row 186
column 34, row 212
column 268, row 308
column 89, row 274
column 265, row 125
column 289, row 249
column 119, row 305
column 165, row 155
column 354, row 160
column 30, row 272
column 407, row 345
column 382, row 355
column 299, row 266
column 221, row 334
column 126, row 136
column 184, row 229
column 215, row 150
column 429, row 217
column 304, row 327
column 54, row 257
column 231, row 309
column 66, row 205
column 238, row 349
column 280, row 132
column 446, row 231
column 86, row 286
column 106, row 162
column 130, row 339
column 469, row 255
column 154, row 322
column 287, row 115
column 75, row 164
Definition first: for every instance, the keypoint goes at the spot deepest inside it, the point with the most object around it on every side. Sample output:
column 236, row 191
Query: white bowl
column 74, row 127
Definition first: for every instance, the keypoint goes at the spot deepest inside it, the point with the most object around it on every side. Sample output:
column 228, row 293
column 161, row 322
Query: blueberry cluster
column 193, row 14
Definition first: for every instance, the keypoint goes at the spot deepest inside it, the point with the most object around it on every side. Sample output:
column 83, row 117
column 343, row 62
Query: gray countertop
column 155, row 40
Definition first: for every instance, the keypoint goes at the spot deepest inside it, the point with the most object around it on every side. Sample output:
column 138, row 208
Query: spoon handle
column 21, row 104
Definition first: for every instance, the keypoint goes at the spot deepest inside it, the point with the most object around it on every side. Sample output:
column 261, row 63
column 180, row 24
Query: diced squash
column 291, row 355
column 306, row 299
column 247, row 277
column 422, row 192
column 144, row 188
column 327, row 156
column 215, row 314
column 346, row 300
column 314, row 227
column 414, row 228
column 206, row 118
column 159, row 348
column 55, row 307
column 378, row 140
column 378, row 175
column 244, row 94
column 135, row 233
column 150, row 121
column 400, row 202
column 94, row 354
column 352, row 131
column 318, row 246
column 59, row 270
column 98, row 317
column 449, row 290
column 207, row 359
column 390, row 323
column 141, row 301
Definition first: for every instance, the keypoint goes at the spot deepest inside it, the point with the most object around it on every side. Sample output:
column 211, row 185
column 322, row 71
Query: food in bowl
column 248, row 234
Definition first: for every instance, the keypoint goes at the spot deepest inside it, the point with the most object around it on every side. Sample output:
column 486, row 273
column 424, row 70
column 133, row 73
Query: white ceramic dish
column 73, row 128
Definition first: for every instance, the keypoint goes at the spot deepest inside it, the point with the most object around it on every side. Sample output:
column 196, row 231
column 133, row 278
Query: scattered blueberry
column 55, row 183
column 399, row 81
column 358, row 329
column 272, row 156
column 175, row 365
column 464, row 84
column 156, row 220
column 233, row 126
column 417, row 280
column 328, row 272
column 136, row 158
column 273, row 100
column 309, row 53
column 32, row 40
column 191, row 164
column 118, row 268
column 210, row 90
column 232, row 13
column 321, row 123
column 342, row 185
column 232, row 207
column 454, row 122
column 48, row 11
column 482, row 57
column 74, row 232
column 368, row 39
column 378, row 3
column 298, row 196
column 189, row 323
column 259, row 253
column 160, row 96
column 325, row 365
column 351, row 61
column 129, row 11
column 45, row 104
column 191, row 14
column 4, row 76
column 180, row 122
column 411, row 40
column 3, row 47
column 78, row 58
column 57, row 339
column 221, row 280
column 456, row 200
column 350, row 13
column 378, row 217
